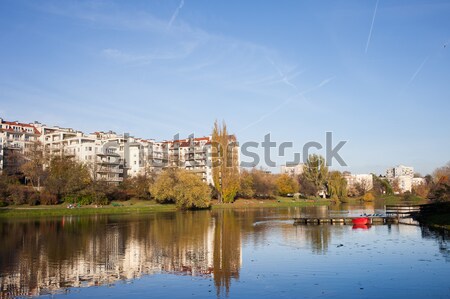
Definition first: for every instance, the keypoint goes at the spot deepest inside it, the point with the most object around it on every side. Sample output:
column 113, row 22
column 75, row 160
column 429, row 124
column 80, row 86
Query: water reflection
column 51, row 255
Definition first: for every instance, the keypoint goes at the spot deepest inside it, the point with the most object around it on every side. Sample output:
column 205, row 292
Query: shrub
column 117, row 194
column 20, row 195
column 407, row 196
column 17, row 195
column 34, row 199
column 47, row 198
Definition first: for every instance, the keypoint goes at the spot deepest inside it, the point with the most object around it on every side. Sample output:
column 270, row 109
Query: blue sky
column 376, row 74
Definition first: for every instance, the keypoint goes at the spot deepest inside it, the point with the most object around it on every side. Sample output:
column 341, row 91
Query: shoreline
column 134, row 206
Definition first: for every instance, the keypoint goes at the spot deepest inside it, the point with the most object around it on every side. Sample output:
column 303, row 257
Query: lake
column 245, row 253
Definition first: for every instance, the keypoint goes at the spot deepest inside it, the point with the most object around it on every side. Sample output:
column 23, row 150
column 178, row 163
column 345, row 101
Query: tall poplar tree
column 225, row 163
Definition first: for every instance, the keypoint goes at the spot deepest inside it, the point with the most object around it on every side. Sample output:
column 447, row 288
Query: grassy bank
column 132, row 206
column 271, row 203
column 141, row 206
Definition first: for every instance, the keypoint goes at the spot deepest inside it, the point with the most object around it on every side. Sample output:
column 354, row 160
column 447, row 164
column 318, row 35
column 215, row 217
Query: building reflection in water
column 50, row 256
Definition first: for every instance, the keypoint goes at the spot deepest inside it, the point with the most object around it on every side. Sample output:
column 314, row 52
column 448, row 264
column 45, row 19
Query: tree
column 225, row 168
column 307, row 187
column 191, row 192
column 66, row 177
column 381, row 186
column 33, row 168
column 336, row 185
column 368, row 197
column 163, row 189
column 183, row 188
column 286, row 185
column 421, row 190
column 139, row 186
column 246, row 188
column 263, row 183
column 315, row 171
column 396, row 186
column 441, row 172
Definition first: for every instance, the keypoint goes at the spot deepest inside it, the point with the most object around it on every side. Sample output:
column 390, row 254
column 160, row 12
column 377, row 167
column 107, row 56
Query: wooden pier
column 393, row 214
column 376, row 220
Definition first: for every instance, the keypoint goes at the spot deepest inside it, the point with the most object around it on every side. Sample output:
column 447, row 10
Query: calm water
column 255, row 253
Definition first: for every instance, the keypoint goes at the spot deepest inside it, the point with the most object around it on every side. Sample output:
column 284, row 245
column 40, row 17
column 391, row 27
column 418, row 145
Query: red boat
column 360, row 221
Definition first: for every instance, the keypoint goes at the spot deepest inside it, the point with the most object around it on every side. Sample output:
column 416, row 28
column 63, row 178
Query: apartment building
column 403, row 175
column 110, row 157
column 15, row 140
column 192, row 154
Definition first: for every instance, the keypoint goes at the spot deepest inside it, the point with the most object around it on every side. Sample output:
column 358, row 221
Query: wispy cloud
column 413, row 77
column 371, row 26
column 175, row 14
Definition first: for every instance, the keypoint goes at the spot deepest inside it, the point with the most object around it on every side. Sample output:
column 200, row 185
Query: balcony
column 103, row 162
column 109, row 170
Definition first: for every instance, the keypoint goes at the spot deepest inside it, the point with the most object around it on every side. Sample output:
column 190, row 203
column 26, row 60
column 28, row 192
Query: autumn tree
column 315, row 171
column 139, row 186
column 396, row 186
column 191, row 192
column 224, row 158
column 246, row 187
column 336, row 185
column 440, row 188
column 181, row 187
column 33, row 168
column 66, row 176
column 286, row 185
column 264, row 183
column 163, row 189
column 422, row 190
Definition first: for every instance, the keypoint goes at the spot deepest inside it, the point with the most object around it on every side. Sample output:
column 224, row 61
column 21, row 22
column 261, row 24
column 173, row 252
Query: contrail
column 371, row 26
column 175, row 14
column 418, row 70
column 284, row 78
column 287, row 101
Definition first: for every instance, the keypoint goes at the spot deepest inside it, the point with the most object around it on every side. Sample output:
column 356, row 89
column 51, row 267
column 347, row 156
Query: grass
column 279, row 201
column 144, row 206
column 132, row 206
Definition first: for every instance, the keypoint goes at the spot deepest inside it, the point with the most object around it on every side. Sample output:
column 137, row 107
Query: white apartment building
column 292, row 169
column 112, row 157
column 193, row 154
column 15, row 138
column 403, row 174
